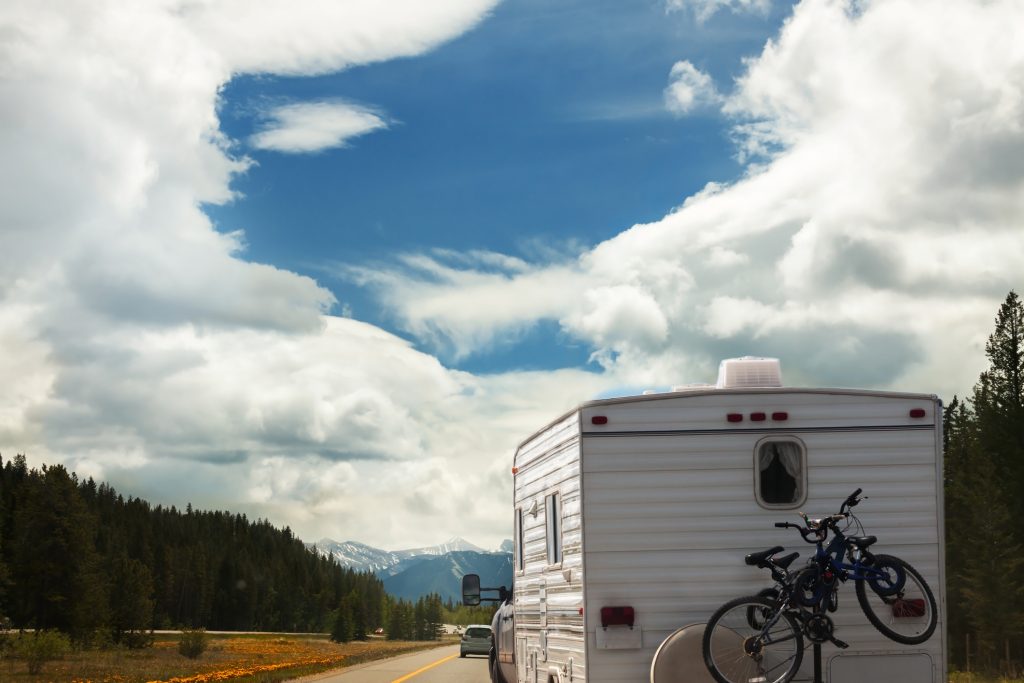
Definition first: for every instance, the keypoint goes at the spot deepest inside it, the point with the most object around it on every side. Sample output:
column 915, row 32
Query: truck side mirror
column 471, row 590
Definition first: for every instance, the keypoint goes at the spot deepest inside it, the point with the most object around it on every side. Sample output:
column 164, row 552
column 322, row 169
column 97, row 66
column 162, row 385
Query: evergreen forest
column 984, row 501
column 80, row 558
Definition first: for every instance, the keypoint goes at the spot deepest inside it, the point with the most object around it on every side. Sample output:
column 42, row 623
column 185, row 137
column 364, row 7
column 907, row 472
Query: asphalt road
column 440, row 665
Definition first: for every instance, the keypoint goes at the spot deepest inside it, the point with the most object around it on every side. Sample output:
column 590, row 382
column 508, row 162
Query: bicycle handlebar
column 851, row 501
column 805, row 531
column 812, row 530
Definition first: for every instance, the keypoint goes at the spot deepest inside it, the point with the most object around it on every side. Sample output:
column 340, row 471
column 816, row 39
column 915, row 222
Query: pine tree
column 131, row 604
column 395, row 629
column 984, row 478
column 960, row 445
column 999, row 402
column 420, row 616
column 55, row 566
column 991, row 578
column 434, row 616
column 359, row 630
column 342, row 629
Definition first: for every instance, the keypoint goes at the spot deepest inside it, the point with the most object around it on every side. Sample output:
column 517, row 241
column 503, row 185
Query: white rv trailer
column 651, row 502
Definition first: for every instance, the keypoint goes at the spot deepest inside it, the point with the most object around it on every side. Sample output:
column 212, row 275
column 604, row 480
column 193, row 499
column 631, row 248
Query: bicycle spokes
column 750, row 641
column 903, row 610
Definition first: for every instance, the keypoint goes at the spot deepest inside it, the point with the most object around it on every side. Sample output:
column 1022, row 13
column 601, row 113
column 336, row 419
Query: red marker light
column 599, row 420
column 917, row 412
column 780, row 417
column 758, row 417
column 734, row 417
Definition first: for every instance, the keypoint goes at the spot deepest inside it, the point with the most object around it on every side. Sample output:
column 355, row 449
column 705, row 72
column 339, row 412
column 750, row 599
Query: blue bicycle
column 895, row 598
column 760, row 638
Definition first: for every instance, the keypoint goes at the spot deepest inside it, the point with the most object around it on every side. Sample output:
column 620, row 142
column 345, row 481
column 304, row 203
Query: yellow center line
column 417, row 672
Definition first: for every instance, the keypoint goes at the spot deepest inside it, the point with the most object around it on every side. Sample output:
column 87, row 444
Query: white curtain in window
column 789, row 457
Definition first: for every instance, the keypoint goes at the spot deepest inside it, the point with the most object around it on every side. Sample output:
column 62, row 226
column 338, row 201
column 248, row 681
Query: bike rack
column 817, row 663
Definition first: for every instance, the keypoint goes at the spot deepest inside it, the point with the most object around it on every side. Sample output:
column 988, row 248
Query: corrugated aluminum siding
column 548, row 598
column 670, row 509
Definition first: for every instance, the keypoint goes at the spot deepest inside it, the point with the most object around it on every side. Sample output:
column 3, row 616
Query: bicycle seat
column 862, row 541
column 785, row 560
column 761, row 559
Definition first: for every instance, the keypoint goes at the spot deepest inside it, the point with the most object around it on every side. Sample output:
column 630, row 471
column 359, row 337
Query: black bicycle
column 759, row 638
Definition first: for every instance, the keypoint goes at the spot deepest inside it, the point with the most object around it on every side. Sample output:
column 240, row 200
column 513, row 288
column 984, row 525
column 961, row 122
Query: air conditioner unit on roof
column 749, row 372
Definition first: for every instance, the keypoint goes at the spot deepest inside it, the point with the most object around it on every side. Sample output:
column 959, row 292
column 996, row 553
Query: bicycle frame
column 829, row 560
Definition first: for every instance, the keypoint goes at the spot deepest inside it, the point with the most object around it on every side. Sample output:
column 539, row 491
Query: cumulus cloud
column 688, row 89
column 314, row 126
column 138, row 343
column 872, row 237
column 876, row 229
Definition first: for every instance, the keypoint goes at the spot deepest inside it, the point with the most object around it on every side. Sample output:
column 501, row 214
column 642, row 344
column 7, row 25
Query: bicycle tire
column 902, row 607
column 733, row 655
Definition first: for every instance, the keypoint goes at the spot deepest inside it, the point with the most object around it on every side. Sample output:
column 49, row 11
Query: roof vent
column 749, row 372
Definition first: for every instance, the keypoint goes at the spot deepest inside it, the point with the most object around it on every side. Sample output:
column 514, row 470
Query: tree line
column 984, row 505
column 77, row 557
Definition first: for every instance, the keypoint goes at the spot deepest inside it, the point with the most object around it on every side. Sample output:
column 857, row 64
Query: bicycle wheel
column 898, row 603
column 737, row 652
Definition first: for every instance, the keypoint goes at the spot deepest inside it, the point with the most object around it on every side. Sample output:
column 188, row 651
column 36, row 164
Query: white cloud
column 870, row 245
column 462, row 303
column 870, row 242
column 315, row 126
column 618, row 318
column 705, row 9
column 688, row 89
column 136, row 342
column 316, row 36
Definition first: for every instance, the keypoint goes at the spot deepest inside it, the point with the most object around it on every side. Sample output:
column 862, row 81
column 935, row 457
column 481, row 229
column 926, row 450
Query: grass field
column 236, row 658
column 964, row 677
column 242, row 658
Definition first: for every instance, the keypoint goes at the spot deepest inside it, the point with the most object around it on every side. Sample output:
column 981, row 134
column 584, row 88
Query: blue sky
column 544, row 126
column 305, row 259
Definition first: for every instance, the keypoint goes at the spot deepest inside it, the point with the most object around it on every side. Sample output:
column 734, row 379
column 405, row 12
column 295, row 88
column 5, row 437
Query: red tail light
column 617, row 616
column 599, row 420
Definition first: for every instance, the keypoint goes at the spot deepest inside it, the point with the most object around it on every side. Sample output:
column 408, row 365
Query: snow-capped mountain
column 452, row 545
column 362, row 557
column 416, row 572
column 358, row 556
column 506, row 546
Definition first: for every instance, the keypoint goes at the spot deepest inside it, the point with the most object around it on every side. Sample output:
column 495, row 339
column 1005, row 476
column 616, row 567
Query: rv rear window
column 780, row 473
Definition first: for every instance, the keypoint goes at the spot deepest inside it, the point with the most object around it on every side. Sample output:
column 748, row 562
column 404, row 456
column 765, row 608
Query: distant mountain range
column 416, row 572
